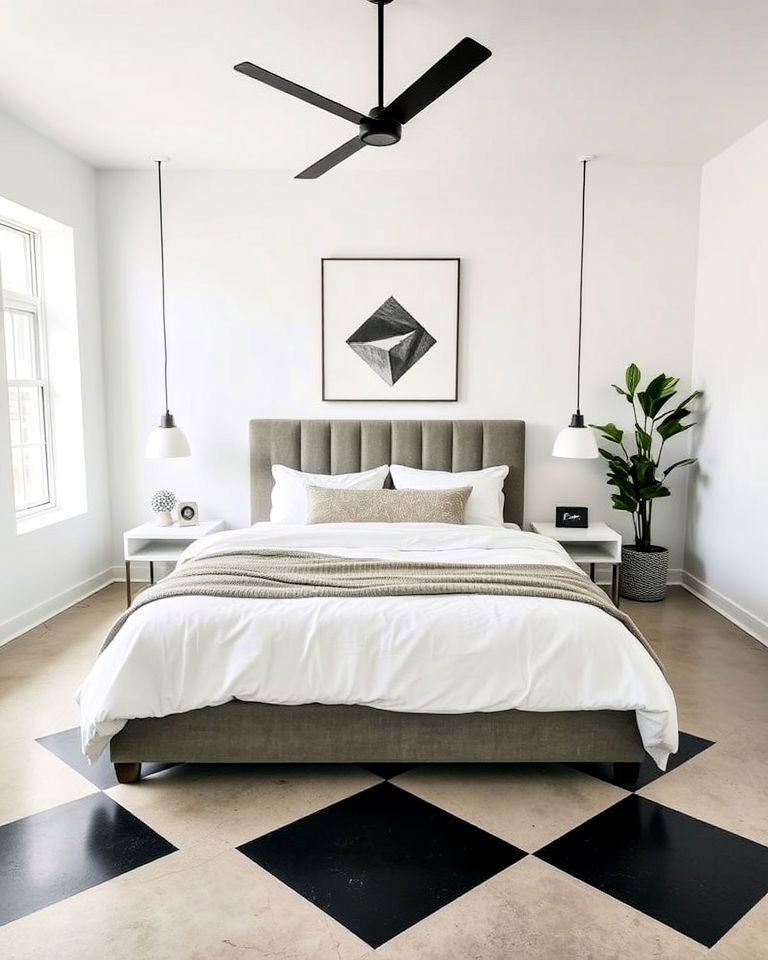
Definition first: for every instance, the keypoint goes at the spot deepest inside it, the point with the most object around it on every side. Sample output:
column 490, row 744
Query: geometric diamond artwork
column 391, row 341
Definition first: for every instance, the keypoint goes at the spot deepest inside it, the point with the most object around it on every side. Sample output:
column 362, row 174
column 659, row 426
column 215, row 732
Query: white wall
column 243, row 271
column 46, row 569
column 728, row 522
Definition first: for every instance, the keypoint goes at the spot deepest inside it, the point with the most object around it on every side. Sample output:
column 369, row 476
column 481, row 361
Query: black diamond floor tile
column 66, row 746
column 381, row 860
column 689, row 747
column 688, row 874
column 388, row 770
column 55, row 854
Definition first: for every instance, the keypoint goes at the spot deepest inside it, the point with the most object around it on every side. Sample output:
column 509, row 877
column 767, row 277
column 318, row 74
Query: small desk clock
column 187, row 513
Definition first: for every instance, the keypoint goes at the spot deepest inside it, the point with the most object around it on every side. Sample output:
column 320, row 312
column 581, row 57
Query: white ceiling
column 647, row 81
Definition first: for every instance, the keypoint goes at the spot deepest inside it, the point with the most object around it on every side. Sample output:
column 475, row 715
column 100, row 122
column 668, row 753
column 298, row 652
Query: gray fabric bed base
column 257, row 732
column 239, row 732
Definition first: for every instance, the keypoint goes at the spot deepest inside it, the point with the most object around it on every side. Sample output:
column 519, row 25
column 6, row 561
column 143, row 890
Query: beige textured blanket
column 290, row 575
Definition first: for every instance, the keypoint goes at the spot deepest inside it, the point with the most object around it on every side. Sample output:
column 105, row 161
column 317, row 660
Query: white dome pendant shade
column 576, row 441
column 166, row 441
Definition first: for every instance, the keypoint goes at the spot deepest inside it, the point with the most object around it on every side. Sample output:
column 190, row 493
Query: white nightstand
column 150, row 542
column 597, row 543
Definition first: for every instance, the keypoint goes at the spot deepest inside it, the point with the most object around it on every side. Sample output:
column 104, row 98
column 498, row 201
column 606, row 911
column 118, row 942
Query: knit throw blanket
column 291, row 575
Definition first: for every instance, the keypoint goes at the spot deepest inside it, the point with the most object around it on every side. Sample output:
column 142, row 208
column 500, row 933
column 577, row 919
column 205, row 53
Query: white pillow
column 289, row 494
column 486, row 502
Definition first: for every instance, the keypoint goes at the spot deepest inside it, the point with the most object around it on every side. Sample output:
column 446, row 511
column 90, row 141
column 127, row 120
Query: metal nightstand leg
column 616, row 584
column 127, row 583
column 151, row 571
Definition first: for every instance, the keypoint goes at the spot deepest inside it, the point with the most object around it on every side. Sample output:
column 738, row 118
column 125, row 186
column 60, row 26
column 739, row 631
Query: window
column 26, row 368
column 41, row 423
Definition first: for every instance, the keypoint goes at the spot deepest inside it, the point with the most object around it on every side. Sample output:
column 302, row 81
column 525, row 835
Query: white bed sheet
column 433, row 654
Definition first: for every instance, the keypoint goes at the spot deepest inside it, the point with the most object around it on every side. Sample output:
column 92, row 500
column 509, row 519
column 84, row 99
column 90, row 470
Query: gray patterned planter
column 644, row 575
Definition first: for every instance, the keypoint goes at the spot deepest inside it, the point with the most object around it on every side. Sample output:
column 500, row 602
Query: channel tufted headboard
column 347, row 446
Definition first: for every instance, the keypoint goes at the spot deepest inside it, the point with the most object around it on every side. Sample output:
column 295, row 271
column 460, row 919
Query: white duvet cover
column 431, row 654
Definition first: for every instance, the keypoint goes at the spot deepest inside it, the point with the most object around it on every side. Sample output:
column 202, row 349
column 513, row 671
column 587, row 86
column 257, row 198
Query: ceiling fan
column 382, row 125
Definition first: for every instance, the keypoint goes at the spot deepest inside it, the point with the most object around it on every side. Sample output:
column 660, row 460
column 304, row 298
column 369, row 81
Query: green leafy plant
column 638, row 476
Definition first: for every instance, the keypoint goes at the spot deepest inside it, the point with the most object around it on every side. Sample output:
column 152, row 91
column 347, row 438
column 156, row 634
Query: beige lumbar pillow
column 333, row 505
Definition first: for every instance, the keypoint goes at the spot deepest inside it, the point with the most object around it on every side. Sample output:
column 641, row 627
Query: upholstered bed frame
column 259, row 732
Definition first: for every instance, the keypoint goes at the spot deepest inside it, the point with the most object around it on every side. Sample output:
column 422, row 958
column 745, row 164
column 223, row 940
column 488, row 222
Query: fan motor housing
column 380, row 131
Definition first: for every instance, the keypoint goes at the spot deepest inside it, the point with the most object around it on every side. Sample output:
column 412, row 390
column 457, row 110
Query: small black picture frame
column 577, row 517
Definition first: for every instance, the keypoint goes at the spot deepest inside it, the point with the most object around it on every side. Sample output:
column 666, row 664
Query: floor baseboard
column 38, row 614
column 726, row 607
column 139, row 572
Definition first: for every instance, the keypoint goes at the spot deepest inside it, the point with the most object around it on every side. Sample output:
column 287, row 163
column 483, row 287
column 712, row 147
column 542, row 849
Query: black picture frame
column 323, row 328
column 574, row 518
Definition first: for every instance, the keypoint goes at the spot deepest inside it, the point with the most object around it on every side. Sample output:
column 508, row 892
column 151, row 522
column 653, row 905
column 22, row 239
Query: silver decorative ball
column 163, row 501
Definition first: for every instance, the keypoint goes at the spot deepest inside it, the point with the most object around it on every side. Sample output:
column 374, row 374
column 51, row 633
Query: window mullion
column 19, row 301
column 23, row 479
column 41, row 383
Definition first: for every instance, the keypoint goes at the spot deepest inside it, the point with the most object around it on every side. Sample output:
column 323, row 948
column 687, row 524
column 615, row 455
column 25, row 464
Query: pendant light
column 577, row 441
column 167, row 440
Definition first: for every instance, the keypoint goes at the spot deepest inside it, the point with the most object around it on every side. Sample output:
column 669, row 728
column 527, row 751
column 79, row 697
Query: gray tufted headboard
column 347, row 446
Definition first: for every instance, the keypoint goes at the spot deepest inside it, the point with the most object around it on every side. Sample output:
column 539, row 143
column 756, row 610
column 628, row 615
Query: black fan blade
column 330, row 161
column 296, row 90
column 454, row 66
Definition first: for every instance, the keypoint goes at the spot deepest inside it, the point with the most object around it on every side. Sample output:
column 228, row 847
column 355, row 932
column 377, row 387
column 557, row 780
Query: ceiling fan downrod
column 378, row 129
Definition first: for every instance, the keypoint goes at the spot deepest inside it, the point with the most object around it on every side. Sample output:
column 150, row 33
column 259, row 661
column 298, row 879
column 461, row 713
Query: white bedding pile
column 432, row 654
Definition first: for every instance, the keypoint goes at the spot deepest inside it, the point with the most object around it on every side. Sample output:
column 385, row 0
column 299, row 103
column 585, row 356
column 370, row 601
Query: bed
column 254, row 731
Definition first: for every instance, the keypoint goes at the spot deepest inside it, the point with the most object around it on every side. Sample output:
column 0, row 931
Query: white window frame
column 34, row 304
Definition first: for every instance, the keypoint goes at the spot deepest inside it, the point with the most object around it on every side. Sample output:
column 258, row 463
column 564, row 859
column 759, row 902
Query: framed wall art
column 390, row 328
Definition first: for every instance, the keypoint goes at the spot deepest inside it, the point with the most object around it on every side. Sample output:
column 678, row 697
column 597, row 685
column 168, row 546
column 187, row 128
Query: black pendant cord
column 380, row 12
column 162, row 281
column 581, row 282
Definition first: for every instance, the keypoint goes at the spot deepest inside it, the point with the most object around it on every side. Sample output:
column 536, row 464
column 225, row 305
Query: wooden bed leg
column 626, row 774
column 127, row 772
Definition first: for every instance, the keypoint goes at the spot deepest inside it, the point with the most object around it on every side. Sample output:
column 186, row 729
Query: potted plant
column 639, row 478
